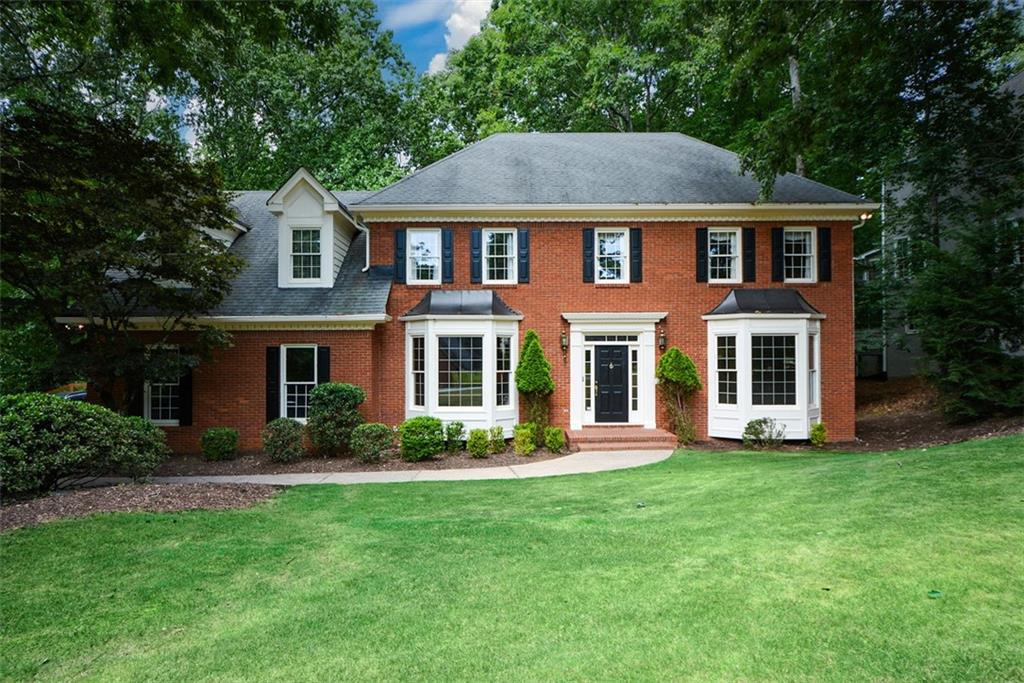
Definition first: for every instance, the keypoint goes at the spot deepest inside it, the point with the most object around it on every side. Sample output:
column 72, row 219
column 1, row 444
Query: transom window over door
column 306, row 254
column 460, row 372
column 798, row 254
column 773, row 369
column 723, row 255
column 612, row 248
column 424, row 256
column 298, row 369
column 499, row 256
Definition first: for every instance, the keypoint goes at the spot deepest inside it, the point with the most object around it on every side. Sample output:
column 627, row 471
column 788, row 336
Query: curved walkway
column 577, row 463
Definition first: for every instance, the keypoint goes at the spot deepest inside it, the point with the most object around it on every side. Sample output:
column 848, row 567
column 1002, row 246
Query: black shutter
column 824, row 254
column 137, row 405
column 399, row 255
column 475, row 256
column 749, row 255
column 636, row 255
column 323, row 364
column 702, row 254
column 523, row 243
column 447, row 255
column 588, row 254
column 274, row 382
column 185, row 399
column 778, row 262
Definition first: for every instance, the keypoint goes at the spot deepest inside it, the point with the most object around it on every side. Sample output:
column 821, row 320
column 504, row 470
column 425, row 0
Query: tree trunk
column 794, row 87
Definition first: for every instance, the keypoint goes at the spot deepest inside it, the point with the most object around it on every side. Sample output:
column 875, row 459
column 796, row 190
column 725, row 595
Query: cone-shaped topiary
column 678, row 380
column 534, row 381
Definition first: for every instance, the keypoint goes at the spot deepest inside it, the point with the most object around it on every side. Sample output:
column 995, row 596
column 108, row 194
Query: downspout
column 366, row 231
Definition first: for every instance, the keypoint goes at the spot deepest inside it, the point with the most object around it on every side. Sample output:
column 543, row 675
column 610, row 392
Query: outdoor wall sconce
column 564, row 340
column 662, row 341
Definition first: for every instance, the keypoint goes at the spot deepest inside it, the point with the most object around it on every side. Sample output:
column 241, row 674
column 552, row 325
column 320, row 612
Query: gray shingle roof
column 594, row 168
column 255, row 290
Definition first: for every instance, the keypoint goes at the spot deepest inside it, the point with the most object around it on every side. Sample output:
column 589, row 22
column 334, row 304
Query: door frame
column 641, row 324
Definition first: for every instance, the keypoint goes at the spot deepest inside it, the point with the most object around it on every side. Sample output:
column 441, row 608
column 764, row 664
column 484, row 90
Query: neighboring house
column 612, row 246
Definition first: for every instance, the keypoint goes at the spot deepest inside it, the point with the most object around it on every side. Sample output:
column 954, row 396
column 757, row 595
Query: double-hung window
column 611, row 255
column 305, row 253
column 162, row 400
column 798, row 254
column 726, row 368
column 499, row 256
column 424, row 254
column 460, row 372
column 724, row 255
column 419, row 372
column 812, row 370
column 298, row 379
column 503, row 371
column 773, row 369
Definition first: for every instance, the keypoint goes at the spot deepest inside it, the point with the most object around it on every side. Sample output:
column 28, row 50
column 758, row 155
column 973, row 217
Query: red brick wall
column 669, row 263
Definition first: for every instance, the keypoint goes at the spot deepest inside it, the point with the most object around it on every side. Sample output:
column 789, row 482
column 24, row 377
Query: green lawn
column 738, row 566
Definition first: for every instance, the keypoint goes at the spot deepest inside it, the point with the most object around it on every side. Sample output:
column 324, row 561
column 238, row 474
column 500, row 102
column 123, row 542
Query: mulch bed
column 132, row 498
column 259, row 463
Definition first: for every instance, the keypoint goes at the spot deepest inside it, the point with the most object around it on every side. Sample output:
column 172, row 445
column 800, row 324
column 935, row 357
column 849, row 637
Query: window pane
column 611, row 257
column 424, row 254
column 164, row 401
column 773, row 369
column 503, row 364
column 798, row 254
column 500, row 254
column 460, row 371
column 722, row 254
column 296, row 400
column 726, row 367
column 300, row 365
column 419, row 375
column 305, row 254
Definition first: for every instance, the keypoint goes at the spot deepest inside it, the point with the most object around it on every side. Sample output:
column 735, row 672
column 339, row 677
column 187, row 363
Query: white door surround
column 640, row 325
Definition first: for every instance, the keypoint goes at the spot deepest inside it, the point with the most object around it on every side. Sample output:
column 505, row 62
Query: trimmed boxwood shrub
column 524, row 438
column 497, row 440
column 333, row 414
column 453, row 435
column 421, row 438
column 554, row 439
column 479, row 443
column 764, row 432
column 819, row 435
column 371, row 440
column 282, row 440
column 220, row 443
column 46, row 440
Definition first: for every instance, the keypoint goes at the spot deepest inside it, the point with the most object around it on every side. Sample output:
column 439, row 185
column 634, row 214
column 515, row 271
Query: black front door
column 612, row 384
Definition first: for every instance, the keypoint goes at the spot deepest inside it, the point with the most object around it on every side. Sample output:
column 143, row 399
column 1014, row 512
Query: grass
column 736, row 566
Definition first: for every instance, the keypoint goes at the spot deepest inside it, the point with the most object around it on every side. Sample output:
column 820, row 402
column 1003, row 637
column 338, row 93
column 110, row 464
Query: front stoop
column 618, row 438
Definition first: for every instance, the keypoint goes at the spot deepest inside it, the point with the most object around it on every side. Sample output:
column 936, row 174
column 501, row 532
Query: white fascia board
column 351, row 318
column 276, row 201
column 416, row 318
column 765, row 316
column 614, row 317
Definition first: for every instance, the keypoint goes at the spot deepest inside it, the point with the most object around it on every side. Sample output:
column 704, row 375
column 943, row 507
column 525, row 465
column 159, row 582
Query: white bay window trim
column 715, row 259
column 510, row 257
column 622, row 257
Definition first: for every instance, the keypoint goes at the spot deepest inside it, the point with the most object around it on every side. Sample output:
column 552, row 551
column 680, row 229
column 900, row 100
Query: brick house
column 612, row 246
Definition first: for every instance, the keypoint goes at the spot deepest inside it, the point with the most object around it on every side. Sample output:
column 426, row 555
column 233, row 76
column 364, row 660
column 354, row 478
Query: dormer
column 313, row 234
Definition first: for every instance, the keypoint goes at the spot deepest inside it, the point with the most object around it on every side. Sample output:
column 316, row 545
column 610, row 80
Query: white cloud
column 415, row 13
column 463, row 23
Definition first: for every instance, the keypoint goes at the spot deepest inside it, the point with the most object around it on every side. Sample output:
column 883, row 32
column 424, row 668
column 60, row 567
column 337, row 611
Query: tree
column 105, row 224
column 678, row 380
column 534, row 382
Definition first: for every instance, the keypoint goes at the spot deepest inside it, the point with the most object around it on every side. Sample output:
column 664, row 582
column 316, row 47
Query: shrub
column 554, row 439
column 497, row 440
column 534, row 381
column 763, row 432
column 371, row 440
column 333, row 414
column 282, row 440
column 524, row 438
column 479, row 443
column 421, row 438
column 678, row 380
column 453, row 434
column 819, row 434
column 220, row 443
column 46, row 440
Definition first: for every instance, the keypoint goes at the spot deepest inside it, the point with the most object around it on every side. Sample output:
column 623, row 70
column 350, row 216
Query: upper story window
column 424, row 254
column 499, row 256
column 305, row 253
column 298, row 379
column 798, row 254
column 611, row 251
column 724, row 255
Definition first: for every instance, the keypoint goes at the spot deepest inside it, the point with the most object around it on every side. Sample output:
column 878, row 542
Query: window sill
column 165, row 423
column 612, row 284
column 423, row 284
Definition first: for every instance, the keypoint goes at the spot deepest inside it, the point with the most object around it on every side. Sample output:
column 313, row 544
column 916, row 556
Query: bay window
column 726, row 367
column 419, row 372
column 503, row 369
column 773, row 370
column 460, row 366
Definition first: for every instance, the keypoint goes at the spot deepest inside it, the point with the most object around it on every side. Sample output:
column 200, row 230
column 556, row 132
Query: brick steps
column 620, row 438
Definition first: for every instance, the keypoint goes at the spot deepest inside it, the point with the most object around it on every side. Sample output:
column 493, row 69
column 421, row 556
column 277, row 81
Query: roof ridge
column 427, row 167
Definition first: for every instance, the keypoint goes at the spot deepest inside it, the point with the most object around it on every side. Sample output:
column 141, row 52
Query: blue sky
column 428, row 29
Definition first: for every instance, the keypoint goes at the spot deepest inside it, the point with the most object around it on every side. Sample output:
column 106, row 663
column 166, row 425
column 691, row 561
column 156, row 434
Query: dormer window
column 306, row 255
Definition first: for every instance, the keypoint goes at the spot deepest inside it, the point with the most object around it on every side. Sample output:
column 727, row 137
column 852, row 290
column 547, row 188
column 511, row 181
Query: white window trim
column 513, row 257
column 283, row 374
column 738, row 256
column 625, row 256
column 410, row 271
column 292, row 229
column 147, row 392
column 813, row 255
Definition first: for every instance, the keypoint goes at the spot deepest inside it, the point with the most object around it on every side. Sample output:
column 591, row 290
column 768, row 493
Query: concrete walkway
column 577, row 463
